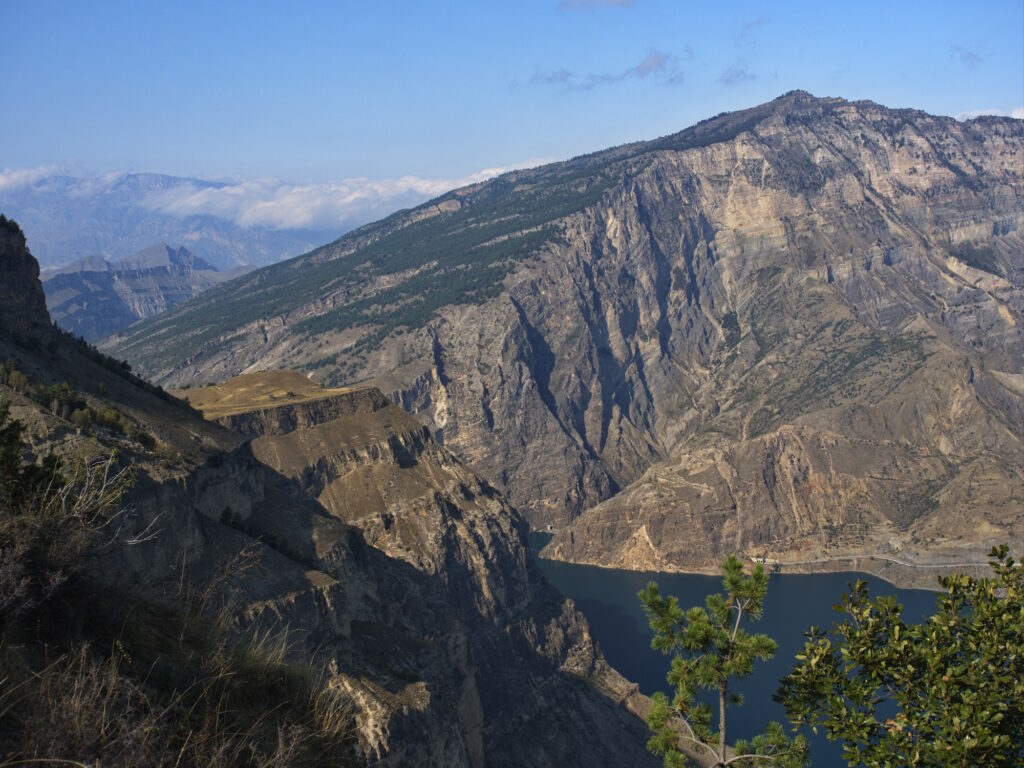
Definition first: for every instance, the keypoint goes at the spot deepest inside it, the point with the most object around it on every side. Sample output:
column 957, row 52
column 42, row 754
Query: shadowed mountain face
column 793, row 331
column 448, row 597
column 331, row 518
column 94, row 298
column 22, row 301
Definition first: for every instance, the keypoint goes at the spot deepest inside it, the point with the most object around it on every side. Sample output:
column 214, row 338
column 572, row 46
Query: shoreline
column 901, row 574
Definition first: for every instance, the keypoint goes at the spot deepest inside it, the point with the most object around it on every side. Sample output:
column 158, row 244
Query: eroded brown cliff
column 419, row 588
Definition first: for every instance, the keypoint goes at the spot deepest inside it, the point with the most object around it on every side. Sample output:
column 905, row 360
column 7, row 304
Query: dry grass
column 85, row 711
column 253, row 391
column 52, row 528
column 93, row 677
column 172, row 690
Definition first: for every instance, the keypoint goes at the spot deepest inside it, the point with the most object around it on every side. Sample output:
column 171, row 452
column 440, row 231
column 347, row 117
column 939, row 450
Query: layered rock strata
column 792, row 332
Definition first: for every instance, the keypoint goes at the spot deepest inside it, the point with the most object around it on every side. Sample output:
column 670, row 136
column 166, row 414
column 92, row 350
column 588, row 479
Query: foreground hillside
column 312, row 581
column 793, row 332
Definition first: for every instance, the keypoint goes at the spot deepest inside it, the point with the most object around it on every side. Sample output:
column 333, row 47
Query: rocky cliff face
column 792, row 331
column 22, row 303
column 94, row 298
column 339, row 522
column 440, row 625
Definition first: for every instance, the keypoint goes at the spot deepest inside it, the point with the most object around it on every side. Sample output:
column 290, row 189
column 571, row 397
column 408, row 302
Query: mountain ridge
column 598, row 325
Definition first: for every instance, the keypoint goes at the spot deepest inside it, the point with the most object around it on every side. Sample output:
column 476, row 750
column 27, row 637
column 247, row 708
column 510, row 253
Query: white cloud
column 267, row 203
column 279, row 205
column 1017, row 113
column 965, row 56
column 18, row 178
column 737, row 72
column 746, row 35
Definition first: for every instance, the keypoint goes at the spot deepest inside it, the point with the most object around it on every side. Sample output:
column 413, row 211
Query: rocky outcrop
column 429, row 608
column 278, row 420
column 794, row 330
column 22, row 303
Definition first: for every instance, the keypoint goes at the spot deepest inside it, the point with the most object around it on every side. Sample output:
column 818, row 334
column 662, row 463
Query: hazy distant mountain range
column 94, row 297
column 227, row 223
column 115, row 216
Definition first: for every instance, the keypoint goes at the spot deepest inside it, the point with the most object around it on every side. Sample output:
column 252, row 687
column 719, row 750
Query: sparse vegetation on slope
column 458, row 255
column 93, row 677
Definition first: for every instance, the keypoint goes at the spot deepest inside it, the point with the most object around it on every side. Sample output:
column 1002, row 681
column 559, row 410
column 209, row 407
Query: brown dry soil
column 251, row 392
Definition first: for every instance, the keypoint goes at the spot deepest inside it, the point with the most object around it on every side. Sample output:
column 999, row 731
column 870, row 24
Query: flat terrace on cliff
column 256, row 391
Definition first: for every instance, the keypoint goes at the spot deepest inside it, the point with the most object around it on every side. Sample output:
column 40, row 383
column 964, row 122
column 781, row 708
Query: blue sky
column 314, row 93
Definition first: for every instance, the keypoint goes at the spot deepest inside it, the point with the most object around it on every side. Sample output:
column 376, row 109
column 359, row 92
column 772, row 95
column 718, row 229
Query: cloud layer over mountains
column 279, row 205
column 229, row 222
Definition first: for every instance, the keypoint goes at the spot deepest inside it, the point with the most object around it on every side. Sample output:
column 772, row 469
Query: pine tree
column 711, row 648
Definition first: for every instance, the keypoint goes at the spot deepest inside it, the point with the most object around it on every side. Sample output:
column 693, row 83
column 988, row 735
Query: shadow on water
column 795, row 602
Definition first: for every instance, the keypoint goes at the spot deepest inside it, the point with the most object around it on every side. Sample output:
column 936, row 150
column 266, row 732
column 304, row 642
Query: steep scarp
column 458, row 601
column 794, row 330
column 333, row 531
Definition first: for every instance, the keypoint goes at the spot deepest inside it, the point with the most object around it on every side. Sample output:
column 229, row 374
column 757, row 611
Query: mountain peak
column 726, row 126
column 94, row 298
column 178, row 259
column 799, row 96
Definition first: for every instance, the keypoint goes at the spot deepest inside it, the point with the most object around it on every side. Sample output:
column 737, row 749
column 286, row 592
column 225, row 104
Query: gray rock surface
column 792, row 331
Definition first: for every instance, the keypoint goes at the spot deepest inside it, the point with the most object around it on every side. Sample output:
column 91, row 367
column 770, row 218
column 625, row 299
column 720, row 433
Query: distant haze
column 66, row 218
column 229, row 223
column 94, row 298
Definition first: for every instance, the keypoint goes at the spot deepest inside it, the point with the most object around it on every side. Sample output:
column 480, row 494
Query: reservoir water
column 608, row 598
